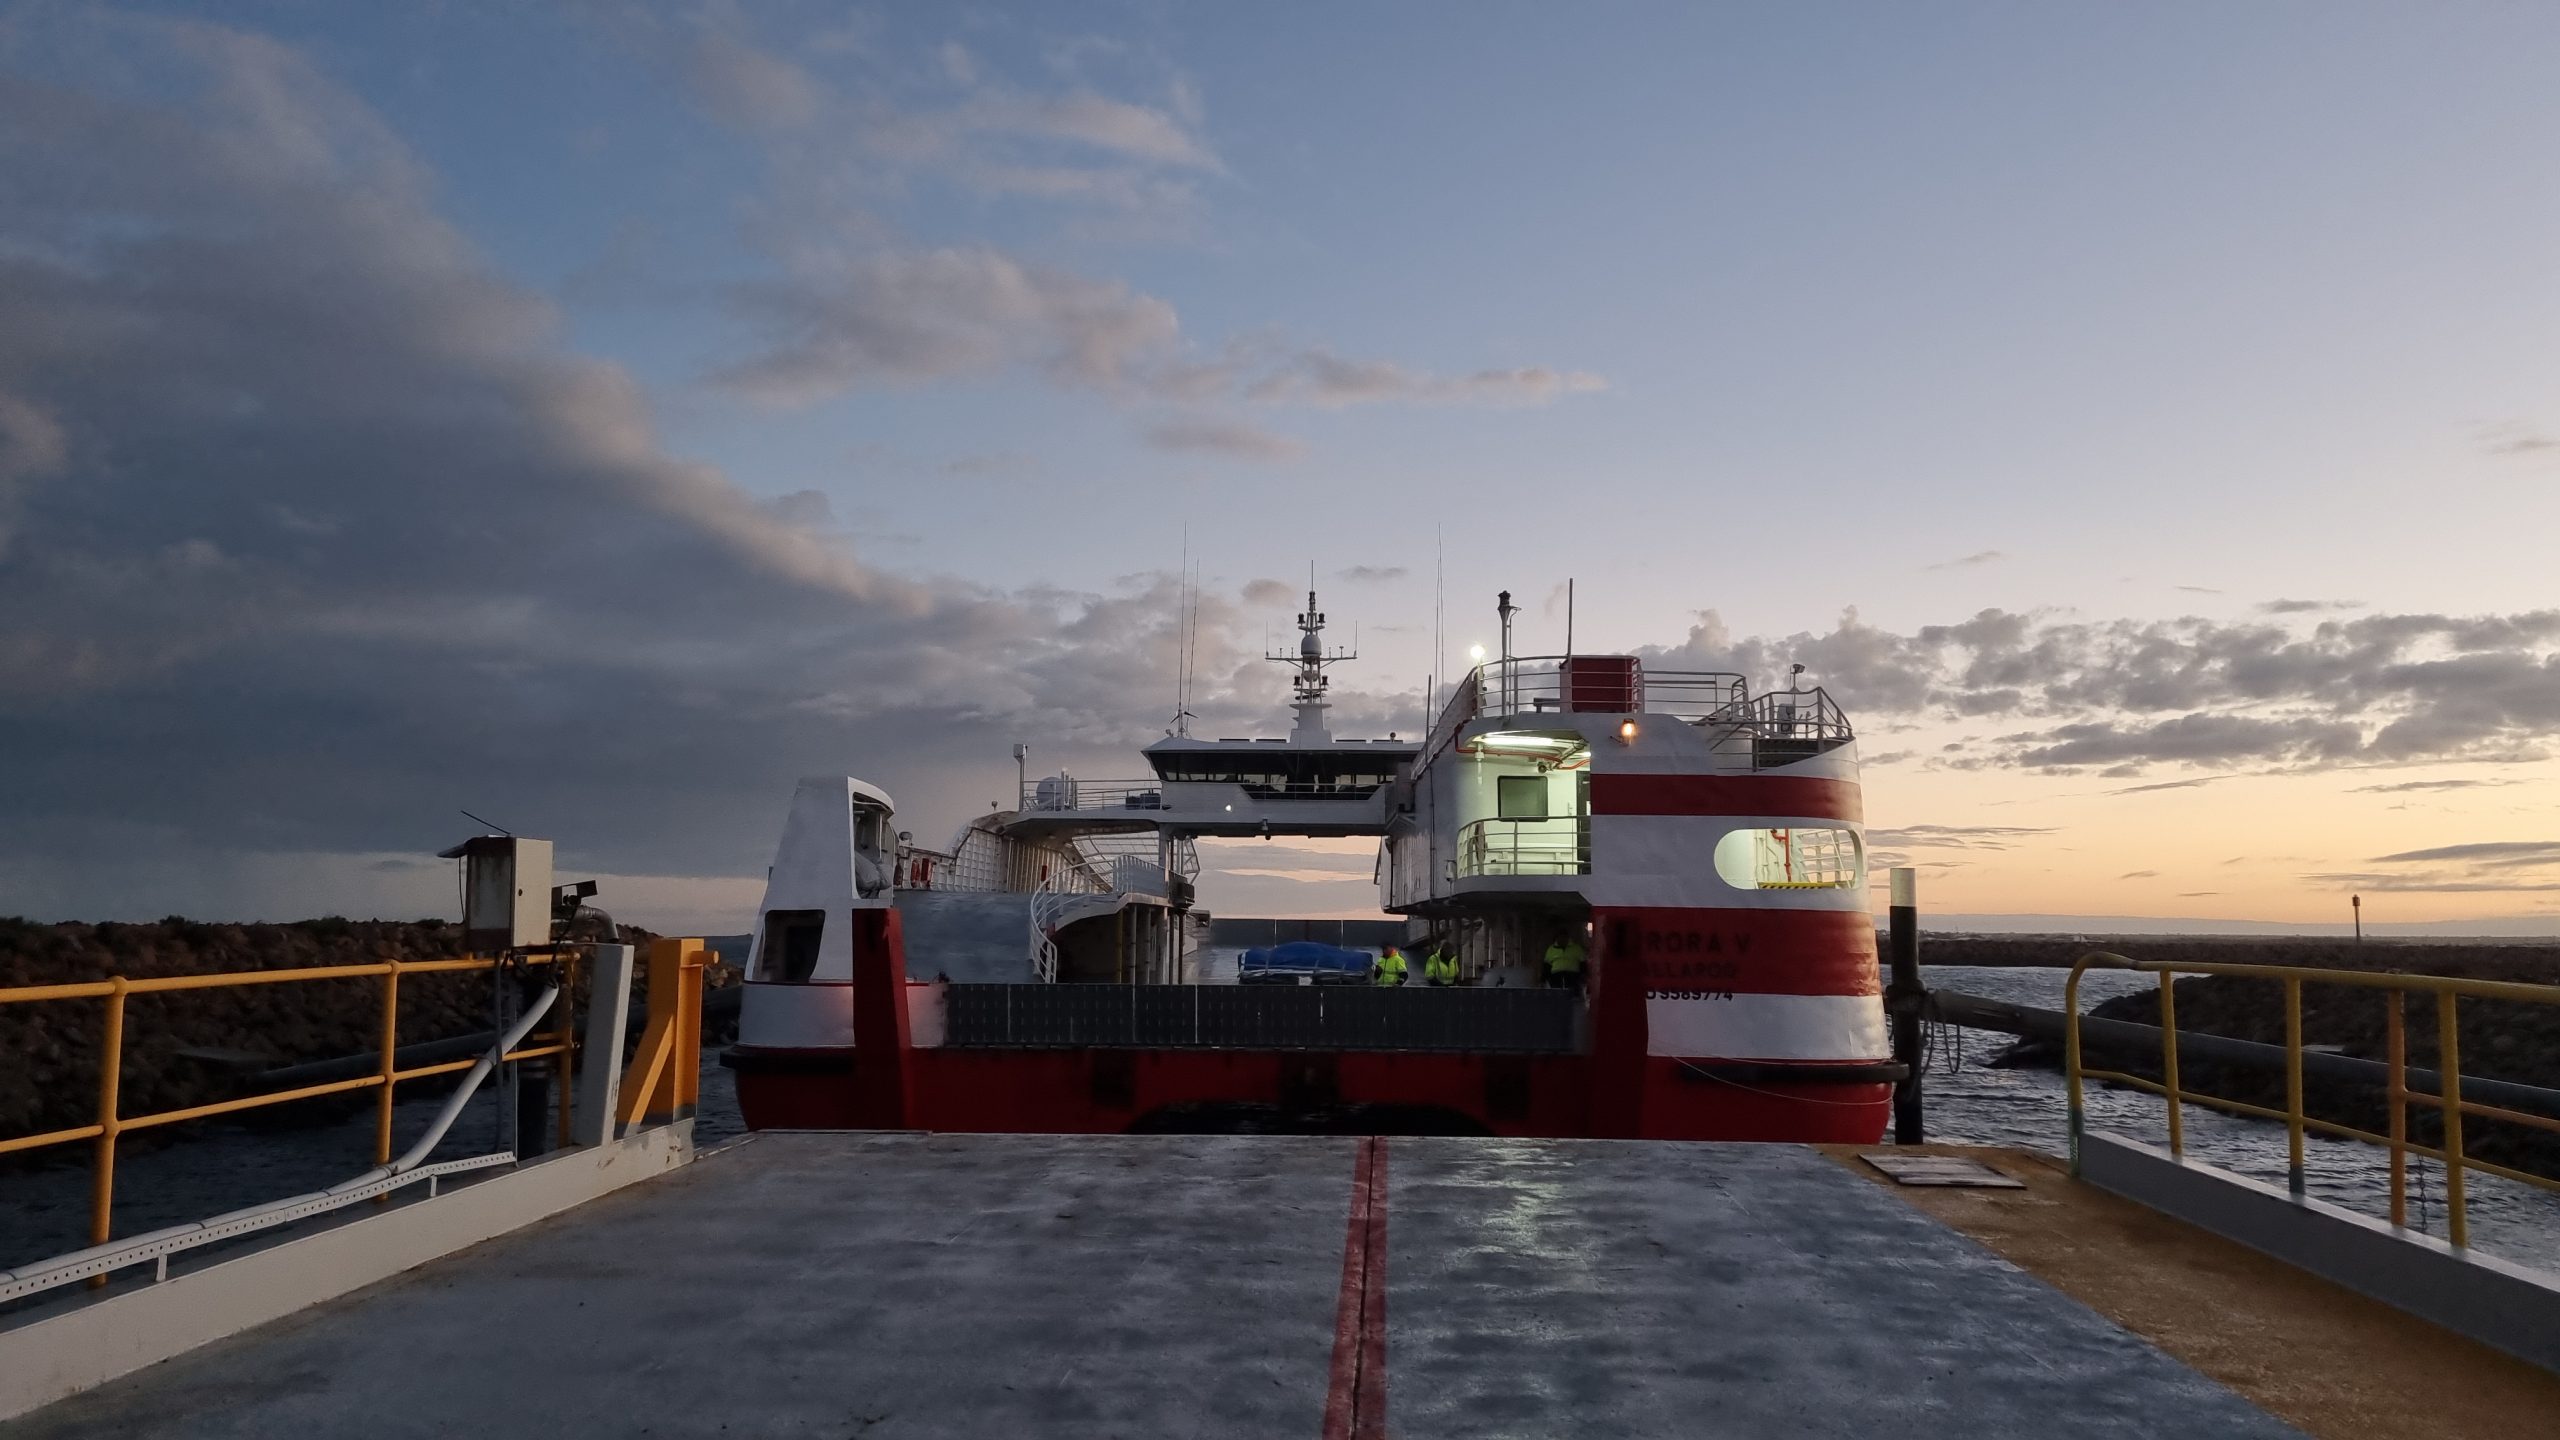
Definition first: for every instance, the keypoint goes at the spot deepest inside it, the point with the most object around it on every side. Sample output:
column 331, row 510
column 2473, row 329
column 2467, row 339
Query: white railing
column 1065, row 794
column 1048, row 909
column 1560, row 846
column 1538, row 684
column 1806, row 715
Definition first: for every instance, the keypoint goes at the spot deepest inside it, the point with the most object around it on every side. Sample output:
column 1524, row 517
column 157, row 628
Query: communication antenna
column 1186, row 647
column 1182, row 631
column 1439, row 604
column 1191, row 655
column 492, row 824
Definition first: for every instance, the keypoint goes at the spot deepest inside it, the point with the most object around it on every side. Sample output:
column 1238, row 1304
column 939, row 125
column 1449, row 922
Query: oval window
column 1821, row 858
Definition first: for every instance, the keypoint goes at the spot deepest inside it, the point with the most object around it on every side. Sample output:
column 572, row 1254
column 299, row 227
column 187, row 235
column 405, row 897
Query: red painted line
column 1355, row 1402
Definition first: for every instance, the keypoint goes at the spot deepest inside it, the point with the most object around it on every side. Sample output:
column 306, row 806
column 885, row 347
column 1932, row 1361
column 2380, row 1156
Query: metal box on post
column 506, row 892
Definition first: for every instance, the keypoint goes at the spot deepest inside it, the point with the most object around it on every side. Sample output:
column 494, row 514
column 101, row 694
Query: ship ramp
column 882, row 1284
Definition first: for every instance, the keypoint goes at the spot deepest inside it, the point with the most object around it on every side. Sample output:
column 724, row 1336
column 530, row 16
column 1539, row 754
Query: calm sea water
column 224, row 1165
column 1969, row 1102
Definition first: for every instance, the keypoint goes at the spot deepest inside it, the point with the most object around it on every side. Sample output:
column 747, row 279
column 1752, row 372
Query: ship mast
column 1310, row 682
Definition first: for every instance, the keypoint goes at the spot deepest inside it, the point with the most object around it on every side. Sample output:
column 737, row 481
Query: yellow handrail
column 111, row 1124
column 2447, row 990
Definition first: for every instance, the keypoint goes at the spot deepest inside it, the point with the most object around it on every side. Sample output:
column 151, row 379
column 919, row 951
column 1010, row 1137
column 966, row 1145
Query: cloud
column 1978, row 557
column 2306, row 607
column 1371, row 574
column 337, row 535
column 1955, row 837
column 907, row 319
column 318, row 529
column 2500, row 854
column 749, row 88
column 2196, row 894
column 1263, row 594
column 1224, row 437
column 2190, row 784
column 2403, row 787
column 1138, row 131
column 2197, row 589
column 2195, row 738
column 848, row 303
column 2121, row 696
column 2426, row 884
column 2514, row 439
column 2139, row 875
column 1328, row 381
column 833, row 322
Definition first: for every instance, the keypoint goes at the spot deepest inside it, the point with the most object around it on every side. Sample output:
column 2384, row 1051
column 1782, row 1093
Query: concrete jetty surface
column 843, row 1284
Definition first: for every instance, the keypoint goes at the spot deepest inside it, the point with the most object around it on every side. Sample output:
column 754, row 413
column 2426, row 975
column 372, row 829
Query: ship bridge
column 1312, row 783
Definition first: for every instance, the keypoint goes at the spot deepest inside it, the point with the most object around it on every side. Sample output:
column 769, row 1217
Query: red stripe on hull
column 1746, row 952
column 1086, row 1092
column 1790, row 796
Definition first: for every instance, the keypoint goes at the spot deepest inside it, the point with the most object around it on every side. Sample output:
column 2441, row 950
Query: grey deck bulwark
column 841, row 1285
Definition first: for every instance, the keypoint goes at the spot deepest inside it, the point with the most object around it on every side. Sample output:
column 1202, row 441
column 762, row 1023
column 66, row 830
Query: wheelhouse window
column 1520, row 797
column 1820, row 858
column 791, row 944
column 1282, row 776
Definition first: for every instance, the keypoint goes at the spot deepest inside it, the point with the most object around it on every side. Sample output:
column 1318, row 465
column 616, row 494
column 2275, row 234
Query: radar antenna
column 1310, row 682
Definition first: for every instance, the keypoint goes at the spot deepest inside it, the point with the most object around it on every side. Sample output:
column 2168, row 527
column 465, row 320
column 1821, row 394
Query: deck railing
column 1809, row 716
column 1560, row 846
column 1535, row 684
column 1064, row 794
column 660, row 1081
column 2448, row 1100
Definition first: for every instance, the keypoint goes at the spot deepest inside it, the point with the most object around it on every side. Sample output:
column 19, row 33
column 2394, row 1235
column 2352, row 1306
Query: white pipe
column 461, row 1095
column 99, row 1259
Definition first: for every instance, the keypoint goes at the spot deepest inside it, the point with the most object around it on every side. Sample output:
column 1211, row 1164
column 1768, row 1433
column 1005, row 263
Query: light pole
column 2355, row 903
column 1021, row 773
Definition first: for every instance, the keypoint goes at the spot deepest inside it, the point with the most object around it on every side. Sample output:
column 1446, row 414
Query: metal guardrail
column 1531, row 684
column 660, row 1081
column 1261, row 1017
column 1809, row 717
column 1064, row 794
column 2450, row 1100
column 1498, row 847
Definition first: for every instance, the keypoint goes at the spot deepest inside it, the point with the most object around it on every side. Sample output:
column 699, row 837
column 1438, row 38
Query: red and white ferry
column 1707, row 839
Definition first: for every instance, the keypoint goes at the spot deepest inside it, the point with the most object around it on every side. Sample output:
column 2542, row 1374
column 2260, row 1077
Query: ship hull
column 1114, row 1091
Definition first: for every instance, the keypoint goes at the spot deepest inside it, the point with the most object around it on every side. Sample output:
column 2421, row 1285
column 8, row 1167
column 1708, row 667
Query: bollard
column 1904, row 1000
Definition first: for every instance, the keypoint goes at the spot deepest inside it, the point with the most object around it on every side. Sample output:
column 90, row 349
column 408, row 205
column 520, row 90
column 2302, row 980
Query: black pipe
column 1904, row 1000
column 2129, row 1037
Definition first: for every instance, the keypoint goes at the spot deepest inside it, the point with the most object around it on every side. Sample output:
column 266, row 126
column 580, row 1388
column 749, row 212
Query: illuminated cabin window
column 1800, row 859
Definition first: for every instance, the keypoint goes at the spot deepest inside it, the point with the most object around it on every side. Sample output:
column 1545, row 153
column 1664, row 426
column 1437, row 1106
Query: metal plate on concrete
column 1940, row 1170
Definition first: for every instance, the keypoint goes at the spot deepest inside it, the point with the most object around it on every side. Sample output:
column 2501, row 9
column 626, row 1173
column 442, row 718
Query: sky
column 2145, row 421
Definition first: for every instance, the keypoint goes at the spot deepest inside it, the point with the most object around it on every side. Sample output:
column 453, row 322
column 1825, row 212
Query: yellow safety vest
column 1565, row 959
column 1391, row 969
column 1440, row 968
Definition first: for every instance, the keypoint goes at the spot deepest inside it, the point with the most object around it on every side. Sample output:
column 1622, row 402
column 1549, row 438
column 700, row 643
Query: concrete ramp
column 848, row 1284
